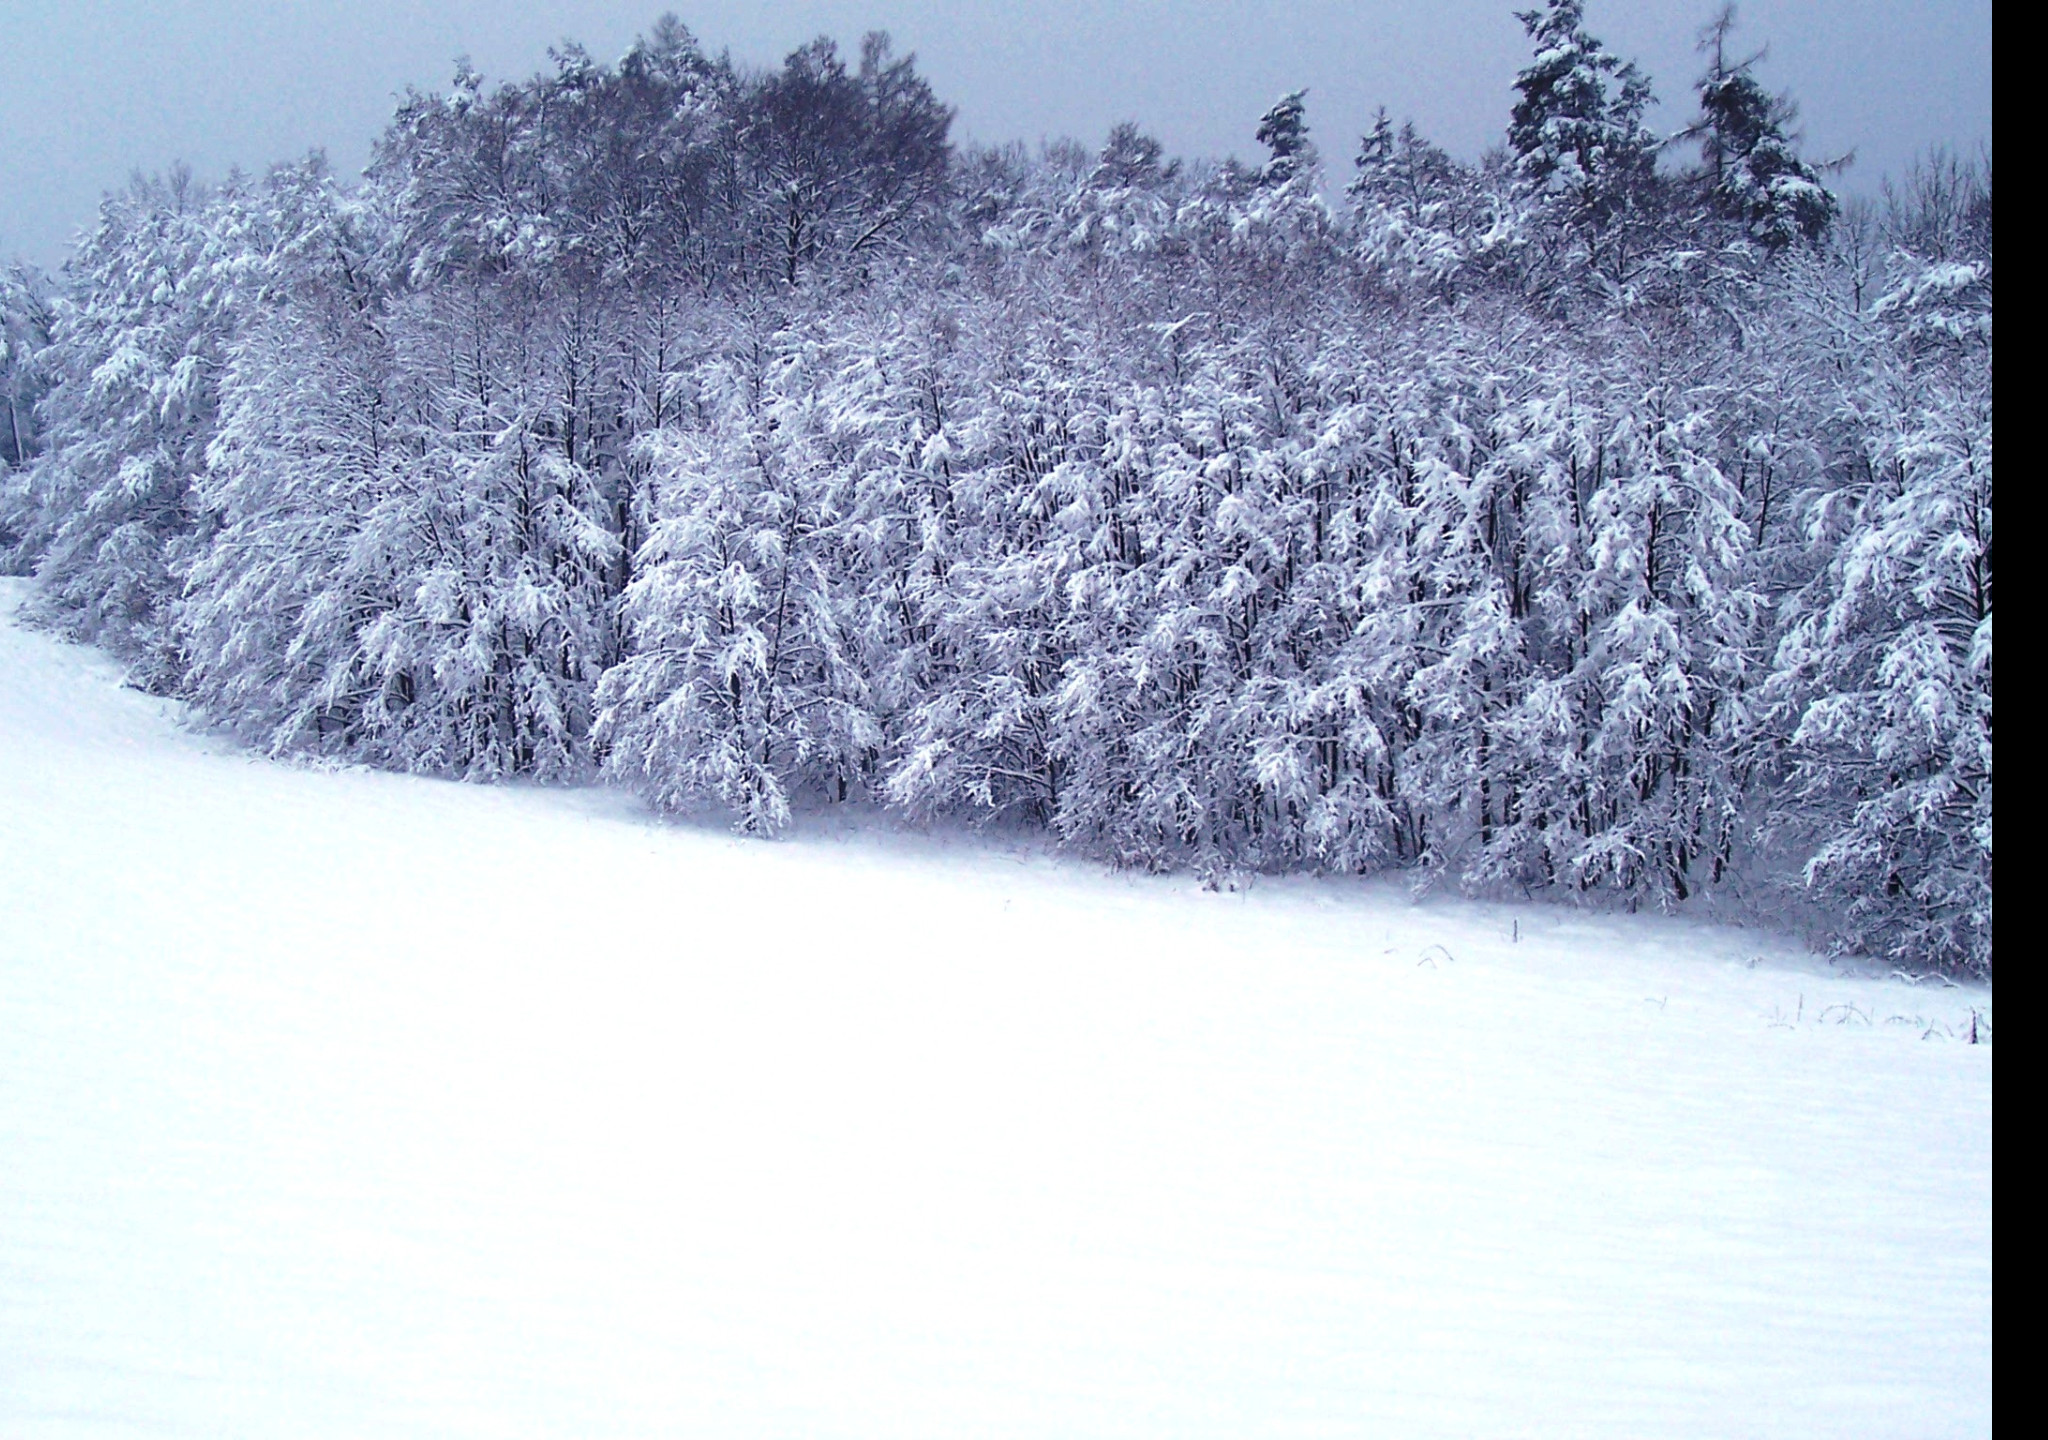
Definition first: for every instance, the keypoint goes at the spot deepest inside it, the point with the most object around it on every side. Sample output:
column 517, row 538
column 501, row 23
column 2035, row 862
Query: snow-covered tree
column 744, row 681
column 1752, row 167
column 1578, row 137
column 309, row 441
column 1417, row 215
column 106, row 515
column 1885, row 665
column 1283, row 130
column 26, row 319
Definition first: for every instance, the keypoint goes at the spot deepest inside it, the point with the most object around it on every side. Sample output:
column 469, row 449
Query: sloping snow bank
column 346, row 1104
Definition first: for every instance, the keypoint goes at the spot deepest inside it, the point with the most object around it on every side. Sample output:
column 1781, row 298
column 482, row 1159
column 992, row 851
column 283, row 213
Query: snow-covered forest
column 1610, row 516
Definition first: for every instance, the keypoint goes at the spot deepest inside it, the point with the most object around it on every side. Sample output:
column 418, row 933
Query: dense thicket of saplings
column 1590, row 518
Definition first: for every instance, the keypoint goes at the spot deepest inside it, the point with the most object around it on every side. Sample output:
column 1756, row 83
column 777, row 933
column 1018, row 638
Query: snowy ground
column 344, row 1104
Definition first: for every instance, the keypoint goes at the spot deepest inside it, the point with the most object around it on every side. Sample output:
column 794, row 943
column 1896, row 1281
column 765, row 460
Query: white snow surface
column 336, row 1103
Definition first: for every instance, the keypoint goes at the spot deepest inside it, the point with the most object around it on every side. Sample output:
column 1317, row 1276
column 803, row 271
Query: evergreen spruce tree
column 1578, row 137
column 1752, row 171
column 1283, row 130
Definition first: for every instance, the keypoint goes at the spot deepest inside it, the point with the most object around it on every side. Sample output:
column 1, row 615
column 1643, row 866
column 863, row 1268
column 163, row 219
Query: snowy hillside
column 337, row 1103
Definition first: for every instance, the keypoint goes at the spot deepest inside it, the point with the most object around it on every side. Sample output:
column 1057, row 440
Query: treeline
column 1612, row 515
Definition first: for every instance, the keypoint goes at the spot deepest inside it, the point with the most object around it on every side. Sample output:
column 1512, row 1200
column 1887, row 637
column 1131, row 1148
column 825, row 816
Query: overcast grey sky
column 93, row 89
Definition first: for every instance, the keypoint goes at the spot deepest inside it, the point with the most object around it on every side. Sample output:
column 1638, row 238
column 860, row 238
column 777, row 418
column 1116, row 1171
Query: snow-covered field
column 346, row 1104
